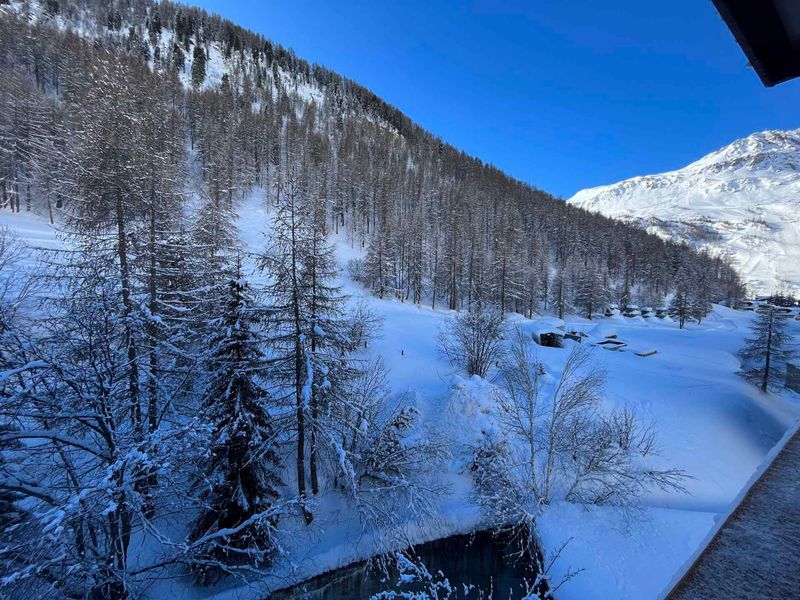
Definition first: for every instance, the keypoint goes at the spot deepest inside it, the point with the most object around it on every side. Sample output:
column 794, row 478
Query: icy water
column 483, row 559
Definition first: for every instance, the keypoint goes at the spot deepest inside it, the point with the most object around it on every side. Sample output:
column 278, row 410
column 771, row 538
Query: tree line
column 439, row 226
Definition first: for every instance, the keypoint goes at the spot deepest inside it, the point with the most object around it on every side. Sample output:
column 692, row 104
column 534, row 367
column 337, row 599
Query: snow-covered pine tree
column 110, row 191
column 308, row 325
column 326, row 330
column 560, row 291
column 535, row 273
column 166, row 344
column 129, row 165
column 504, row 253
column 213, row 241
column 701, row 295
column 198, row 65
column 379, row 265
column 108, row 212
column 417, row 255
column 681, row 304
column 591, row 294
column 765, row 354
column 288, row 324
column 290, row 320
column 240, row 486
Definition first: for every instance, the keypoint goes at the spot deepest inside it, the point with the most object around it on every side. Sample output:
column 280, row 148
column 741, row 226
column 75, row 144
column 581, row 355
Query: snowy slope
column 742, row 201
column 711, row 422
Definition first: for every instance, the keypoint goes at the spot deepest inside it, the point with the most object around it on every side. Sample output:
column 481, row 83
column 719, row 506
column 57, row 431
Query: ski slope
column 742, row 201
column 711, row 423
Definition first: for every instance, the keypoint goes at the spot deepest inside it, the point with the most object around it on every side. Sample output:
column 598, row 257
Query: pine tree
column 241, row 483
column 768, row 349
column 110, row 188
column 325, row 321
column 288, row 316
column 198, row 66
column 701, row 295
column 560, row 292
column 680, row 306
column 591, row 294
column 379, row 265
column 306, row 318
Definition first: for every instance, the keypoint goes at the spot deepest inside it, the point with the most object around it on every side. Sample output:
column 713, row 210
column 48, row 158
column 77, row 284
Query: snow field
column 711, row 423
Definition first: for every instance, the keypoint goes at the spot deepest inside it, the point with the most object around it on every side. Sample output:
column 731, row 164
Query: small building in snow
column 631, row 310
column 576, row 335
column 604, row 331
column 778, row 311
column 611, row 344
column 548, row 332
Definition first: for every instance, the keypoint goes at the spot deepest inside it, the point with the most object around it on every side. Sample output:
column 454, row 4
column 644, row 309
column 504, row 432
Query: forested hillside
column 441, row 227
column 173, row 398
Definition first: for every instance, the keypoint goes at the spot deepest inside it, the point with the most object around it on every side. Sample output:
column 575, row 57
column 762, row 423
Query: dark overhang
column 769, row 33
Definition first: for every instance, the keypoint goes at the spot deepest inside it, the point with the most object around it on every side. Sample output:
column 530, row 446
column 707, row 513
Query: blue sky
column 563, row 94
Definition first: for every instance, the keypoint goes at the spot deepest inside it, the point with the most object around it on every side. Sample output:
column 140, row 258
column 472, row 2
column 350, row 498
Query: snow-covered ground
column 711, row 422
column 742, row 201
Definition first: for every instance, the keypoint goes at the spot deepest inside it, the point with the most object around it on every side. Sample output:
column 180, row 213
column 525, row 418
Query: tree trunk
column 298, row 378
column 767, row 366
column 314, row 406
column 49, row 203
column 152, row 379
column 152, row 376
column 124, row 273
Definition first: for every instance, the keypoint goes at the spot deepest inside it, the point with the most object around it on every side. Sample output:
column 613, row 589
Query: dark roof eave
column 760, row 29
column 741, row 39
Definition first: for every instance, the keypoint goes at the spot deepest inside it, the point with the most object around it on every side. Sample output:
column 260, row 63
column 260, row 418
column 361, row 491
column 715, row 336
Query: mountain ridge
column 741, row 201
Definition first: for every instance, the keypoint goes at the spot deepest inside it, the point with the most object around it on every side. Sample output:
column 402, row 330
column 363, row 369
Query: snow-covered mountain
column 742, row 200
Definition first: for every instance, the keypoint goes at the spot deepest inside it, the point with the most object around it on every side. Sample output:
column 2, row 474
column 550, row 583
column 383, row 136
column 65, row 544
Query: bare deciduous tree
column 473, row 339
column 560, row 444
